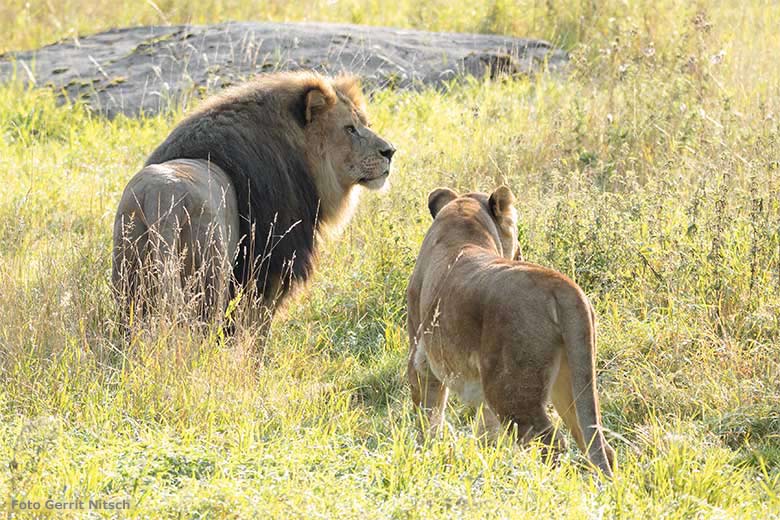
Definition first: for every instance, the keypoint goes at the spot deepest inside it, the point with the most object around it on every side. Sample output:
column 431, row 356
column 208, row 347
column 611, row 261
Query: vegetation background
column 648, row 173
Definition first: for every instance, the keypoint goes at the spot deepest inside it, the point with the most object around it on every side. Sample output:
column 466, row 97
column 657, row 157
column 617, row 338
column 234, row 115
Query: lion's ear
column 501, row 202
column 439, row 198
column 318, row 100
column 350, row 86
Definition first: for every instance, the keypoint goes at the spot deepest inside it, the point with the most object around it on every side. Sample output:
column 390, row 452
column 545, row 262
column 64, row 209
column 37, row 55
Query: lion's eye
column 350, row 129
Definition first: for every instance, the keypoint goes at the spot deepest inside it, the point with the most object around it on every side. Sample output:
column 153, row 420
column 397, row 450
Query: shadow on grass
column 380, row 384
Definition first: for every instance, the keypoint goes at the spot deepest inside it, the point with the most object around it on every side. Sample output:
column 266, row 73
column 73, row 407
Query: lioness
column 247, row 183
column 500, row 332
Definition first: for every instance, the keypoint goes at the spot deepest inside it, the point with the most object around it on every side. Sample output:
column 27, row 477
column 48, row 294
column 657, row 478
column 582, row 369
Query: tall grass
column 567, row 23
column 649, row 174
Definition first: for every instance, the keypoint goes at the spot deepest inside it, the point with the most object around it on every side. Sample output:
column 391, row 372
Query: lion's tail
column 579, row 335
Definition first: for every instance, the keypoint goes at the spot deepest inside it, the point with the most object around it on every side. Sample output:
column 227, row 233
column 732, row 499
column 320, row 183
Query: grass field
column 650, row 174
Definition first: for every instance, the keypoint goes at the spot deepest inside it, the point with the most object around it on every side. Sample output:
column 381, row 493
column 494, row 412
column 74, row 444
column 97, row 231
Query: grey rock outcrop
column 144, row 69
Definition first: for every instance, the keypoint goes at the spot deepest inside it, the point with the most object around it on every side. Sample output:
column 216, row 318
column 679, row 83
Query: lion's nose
column 387, row 153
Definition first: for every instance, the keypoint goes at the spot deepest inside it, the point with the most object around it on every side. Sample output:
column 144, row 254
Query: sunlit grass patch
column 651, row 181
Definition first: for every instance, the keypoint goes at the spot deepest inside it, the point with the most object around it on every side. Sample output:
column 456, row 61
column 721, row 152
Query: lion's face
column 357, row 155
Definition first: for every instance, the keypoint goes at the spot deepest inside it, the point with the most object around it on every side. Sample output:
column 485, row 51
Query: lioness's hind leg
column 519, row 398
column 488, row 424
column 538, row 427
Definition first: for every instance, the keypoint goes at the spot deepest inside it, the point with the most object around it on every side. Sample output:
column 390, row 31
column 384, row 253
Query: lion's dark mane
column 247, row 133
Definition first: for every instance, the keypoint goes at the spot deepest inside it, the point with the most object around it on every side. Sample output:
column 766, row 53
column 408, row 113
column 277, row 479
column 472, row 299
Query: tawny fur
column 502, row 333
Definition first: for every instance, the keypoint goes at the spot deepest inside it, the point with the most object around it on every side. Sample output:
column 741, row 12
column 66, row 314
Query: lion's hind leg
column 209, row 268
column 130, row 245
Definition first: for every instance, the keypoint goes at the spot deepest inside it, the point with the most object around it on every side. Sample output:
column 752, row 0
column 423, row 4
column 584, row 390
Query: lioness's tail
column 579, row 335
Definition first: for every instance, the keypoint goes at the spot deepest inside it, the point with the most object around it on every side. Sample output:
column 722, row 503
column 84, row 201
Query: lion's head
column 337, row 128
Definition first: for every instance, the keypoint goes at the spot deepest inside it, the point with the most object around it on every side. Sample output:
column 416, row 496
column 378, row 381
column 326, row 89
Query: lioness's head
column 337, row 124
column 498, row 207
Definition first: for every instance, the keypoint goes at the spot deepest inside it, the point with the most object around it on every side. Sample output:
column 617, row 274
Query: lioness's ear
column 438, row 198
column 501, row 201
column 318, row 100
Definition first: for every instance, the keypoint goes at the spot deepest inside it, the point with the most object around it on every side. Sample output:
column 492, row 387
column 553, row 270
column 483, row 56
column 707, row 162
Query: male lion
column 248, row 182
column 500, row 332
